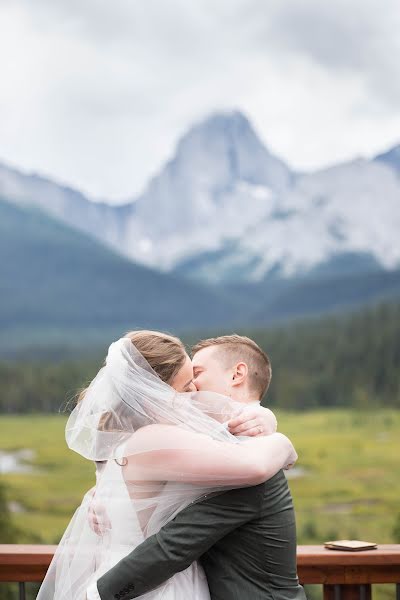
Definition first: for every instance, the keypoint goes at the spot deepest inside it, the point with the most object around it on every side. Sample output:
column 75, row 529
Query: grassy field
column 348, row 483
column 49, row 494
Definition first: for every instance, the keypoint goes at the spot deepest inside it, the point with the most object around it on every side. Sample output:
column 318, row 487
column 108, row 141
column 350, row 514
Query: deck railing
column 343, row 575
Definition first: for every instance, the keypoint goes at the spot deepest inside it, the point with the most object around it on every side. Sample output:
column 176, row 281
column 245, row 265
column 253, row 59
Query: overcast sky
column 95, row 93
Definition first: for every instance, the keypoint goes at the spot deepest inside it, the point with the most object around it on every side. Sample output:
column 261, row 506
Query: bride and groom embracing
column 191, row 501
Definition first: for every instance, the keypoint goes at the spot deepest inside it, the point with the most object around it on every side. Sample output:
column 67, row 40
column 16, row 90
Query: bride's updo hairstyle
column 165, row 353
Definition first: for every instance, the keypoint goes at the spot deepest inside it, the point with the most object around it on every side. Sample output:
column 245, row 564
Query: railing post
column 365, row 591
column 21, row 590
column 331, row 592
column 347, row 592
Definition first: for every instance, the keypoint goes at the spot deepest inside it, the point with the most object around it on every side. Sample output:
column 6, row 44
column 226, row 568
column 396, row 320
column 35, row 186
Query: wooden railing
column 349, row 575
column 343, row 575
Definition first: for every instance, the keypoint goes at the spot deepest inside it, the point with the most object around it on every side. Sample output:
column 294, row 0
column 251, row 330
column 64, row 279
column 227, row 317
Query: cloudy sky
column 95, row 93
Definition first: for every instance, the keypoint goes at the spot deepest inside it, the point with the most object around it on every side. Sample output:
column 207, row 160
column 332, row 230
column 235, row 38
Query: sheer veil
column 127, row 395
column 128, row 419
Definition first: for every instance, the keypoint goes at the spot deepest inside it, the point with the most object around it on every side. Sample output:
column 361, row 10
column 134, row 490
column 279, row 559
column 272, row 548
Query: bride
column 159, row 446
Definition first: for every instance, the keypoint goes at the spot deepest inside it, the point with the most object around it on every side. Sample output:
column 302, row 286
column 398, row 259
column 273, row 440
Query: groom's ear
column 240, row 373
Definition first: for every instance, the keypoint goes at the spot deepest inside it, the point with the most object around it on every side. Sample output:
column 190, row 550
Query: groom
column 244, row 538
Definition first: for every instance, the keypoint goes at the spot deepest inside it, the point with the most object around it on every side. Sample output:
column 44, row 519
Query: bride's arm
column 169, row 453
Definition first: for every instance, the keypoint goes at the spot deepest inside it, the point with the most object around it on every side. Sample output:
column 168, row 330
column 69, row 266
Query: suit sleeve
column 179, row 543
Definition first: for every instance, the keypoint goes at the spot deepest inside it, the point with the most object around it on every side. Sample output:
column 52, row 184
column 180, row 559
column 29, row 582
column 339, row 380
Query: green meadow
column 346, row 483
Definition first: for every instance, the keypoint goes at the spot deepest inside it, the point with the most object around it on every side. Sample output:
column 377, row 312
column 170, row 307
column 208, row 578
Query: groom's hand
column 253, row 422
column 97, row 516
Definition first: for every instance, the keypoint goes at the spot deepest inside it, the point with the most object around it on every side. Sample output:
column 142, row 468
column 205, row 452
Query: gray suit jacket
column 244, row 538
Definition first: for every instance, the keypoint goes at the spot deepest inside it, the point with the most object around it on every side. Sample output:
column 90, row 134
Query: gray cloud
column 104, row 89
column 359, row 37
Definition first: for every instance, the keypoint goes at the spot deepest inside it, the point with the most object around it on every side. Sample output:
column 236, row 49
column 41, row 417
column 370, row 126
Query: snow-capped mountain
column 351, row 209
column 225, row 209
column 391, row 158
column 218, row 185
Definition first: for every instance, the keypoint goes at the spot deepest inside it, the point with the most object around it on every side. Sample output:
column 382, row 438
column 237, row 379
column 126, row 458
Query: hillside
column 54, row 278
column 336, row 361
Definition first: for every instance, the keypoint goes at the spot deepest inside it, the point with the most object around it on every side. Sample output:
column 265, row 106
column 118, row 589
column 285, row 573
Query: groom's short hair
column 236, row 348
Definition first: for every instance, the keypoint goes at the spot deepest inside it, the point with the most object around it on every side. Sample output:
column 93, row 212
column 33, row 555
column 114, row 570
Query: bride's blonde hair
column 165, row 353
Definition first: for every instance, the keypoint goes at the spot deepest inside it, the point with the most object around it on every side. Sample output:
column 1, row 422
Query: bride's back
column 133, row 497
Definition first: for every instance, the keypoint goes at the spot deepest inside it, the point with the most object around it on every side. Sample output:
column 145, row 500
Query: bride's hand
column 253, row 421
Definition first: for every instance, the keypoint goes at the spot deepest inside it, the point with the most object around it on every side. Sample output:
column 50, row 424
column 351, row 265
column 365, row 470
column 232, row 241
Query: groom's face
column 209, row 372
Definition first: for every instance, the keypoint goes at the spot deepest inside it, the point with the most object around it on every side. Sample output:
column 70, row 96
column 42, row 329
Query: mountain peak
column 232, row 126
column 391, row 158
column 226, row 145
column 224, row 122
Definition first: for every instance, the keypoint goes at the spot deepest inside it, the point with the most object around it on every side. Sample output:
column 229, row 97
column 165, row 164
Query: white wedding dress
column 126, row 533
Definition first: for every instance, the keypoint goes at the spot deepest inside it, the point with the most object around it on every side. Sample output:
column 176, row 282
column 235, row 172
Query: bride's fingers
column 242, row 418
column 247, row 426
column 253, row 432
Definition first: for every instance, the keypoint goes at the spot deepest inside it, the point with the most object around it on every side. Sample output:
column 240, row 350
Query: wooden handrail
column 316, row 564
column 20, row 562
column 343, row 574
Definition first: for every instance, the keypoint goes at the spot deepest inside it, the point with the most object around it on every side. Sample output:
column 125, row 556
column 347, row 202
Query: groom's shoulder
column 245, row 500
column 236, row 497
column 255, row 492
column 277, row 485
column 277, row 480
column 276, row 492
column 254, row 496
